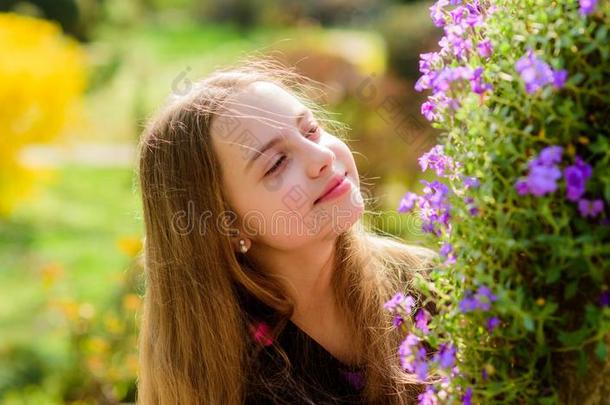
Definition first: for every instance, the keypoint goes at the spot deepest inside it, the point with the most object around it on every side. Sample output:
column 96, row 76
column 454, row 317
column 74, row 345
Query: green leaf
column 581, row 367
column 601, row 350
column 601, row 145
column 574, row 338
column 528, row 323
column 589, row 48
column 601, row 33
column 577, row 78
column 553, row 275
column 570, row 290
column 549, row 308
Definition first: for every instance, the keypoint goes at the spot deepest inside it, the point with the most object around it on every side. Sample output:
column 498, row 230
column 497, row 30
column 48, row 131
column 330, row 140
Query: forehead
column 259, row 106
column 253, row 116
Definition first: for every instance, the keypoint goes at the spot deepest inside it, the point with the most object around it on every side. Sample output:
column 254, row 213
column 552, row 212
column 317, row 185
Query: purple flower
column 407, row 203
column 521, row 187
column 485, row 48
column 470, row 182
column 421, row 321
column 484, row 291
column 397, row 320
column 426, row 60
column 492, row 323
column 454, row 42
column 481, row 300
column 604, row 299
column 472, row 208
column 405, row 351
column 543, row 180
column 446, row 252
column 477, row 83
column 587, row 7
column 412, row 357
column 559, row 78
column 427, row 109
column 424, row 82
column 436, row 12
column 468, row 304
column 589, row 208
column 536, row 73
column 543, row 173
column 428, row 397
column 434, row 207
column 445, row 355
column 548, row 156
column 484, row 298
column 399, row 300
column 446, row 249
column 467, row 399
column 475, row 17
column 458, row 14
column 576, row 177
column 420, row 365
column 436, row 159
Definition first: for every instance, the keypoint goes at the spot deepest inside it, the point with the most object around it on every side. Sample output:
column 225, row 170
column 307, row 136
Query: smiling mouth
column 330, row 191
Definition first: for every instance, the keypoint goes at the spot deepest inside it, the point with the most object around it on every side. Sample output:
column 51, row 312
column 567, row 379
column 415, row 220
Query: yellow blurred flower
column 132, row 364
column 42, row 76
column 97, row 345
column 96, row 365
column 131, row 302
column 50, row 273
column 68, row 308
column 113, row 325
column 490, row 369
column 86, row 310
column 131, row 246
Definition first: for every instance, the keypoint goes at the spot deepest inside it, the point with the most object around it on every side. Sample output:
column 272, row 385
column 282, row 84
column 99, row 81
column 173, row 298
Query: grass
column 74, row 222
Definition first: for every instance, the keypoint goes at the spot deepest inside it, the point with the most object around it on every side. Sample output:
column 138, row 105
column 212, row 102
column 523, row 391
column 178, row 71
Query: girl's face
column 277, row 160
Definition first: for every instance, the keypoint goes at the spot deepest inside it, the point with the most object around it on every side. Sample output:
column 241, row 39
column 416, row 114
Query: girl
column 262, row 285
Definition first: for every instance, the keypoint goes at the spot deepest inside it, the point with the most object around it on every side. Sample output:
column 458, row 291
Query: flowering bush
column 521, row 91
column 42, row 75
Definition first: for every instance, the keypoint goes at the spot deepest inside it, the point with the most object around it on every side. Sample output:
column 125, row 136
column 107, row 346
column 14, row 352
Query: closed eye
column 278, row 163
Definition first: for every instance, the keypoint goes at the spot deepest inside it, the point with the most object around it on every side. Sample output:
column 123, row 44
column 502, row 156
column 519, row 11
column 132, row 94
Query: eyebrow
column 274, row 141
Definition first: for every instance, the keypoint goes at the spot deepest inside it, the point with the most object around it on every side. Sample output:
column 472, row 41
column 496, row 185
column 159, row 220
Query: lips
column 334, row 182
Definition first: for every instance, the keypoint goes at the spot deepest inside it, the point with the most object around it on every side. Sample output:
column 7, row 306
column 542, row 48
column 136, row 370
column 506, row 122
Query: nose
column 320, row 159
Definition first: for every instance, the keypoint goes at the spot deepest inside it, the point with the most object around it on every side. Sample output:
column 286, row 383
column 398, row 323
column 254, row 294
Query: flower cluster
column 435, row 210
column 460, row 25
column 413, row 355
column 400, row 305
column 489, row 83
column 536, row 73
column 480, row 301
column 544, row 173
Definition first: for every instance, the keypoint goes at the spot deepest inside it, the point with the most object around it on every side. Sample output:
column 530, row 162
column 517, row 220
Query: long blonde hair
column 194, row 342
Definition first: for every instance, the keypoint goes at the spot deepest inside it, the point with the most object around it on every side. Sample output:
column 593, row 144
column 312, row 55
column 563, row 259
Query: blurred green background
column 78, row 79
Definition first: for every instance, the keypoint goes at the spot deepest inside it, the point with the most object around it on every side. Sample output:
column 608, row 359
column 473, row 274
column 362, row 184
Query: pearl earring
column 242, row 246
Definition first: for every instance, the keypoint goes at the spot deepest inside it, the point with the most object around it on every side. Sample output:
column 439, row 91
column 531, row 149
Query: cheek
column 344, row 154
